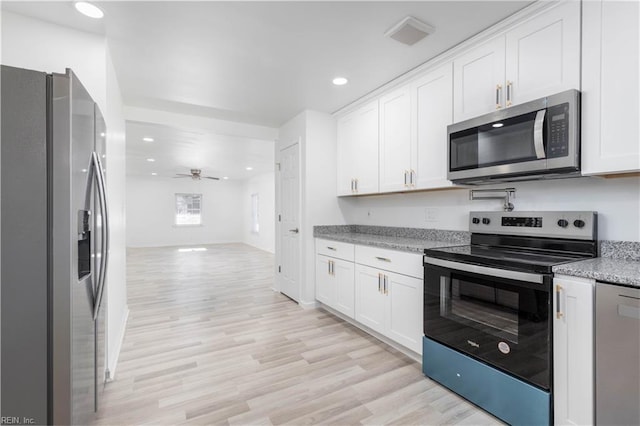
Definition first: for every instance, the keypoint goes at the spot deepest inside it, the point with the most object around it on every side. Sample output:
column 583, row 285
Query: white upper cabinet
column 478, row 80
column 610, row 87
column 413, row 133
column 536, row 58
column 395, row 140
column 358, row 151
column 432, row 112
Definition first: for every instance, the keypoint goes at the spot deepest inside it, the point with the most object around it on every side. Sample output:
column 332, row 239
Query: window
column 188, row 209
column 255, row 217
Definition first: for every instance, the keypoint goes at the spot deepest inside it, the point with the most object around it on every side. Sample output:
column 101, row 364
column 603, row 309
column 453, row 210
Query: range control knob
column 475, row 220
column 578, row 223
column 486, row 220
column 563, row 223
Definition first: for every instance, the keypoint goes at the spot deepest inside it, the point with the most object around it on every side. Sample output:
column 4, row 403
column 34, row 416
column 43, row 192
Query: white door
column 345, row 291
column 370, row 298
column 366, row 153
column 478, row 80
column 325, row 281
column 395, row 141
column 573, row 361
column 543, row 55
column 290, row 222
column 404, row 310
column 433, row 108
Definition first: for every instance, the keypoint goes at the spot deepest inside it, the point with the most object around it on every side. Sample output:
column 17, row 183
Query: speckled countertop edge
column 413, row 240
column 617, row 271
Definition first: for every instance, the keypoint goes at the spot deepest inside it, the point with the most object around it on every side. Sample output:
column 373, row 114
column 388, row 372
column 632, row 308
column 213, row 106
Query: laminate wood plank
column 209, row 342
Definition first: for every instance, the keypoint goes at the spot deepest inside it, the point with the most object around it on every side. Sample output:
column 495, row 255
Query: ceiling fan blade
column 211, row 177
column 183, row 175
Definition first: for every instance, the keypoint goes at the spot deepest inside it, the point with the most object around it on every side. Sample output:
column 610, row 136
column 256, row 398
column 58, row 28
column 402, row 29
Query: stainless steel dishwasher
column 617, row 355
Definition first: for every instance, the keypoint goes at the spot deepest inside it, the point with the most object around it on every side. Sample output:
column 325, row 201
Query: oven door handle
column 484, row 270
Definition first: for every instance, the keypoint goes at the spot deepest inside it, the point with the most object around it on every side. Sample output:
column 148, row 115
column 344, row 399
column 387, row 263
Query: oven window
column 488, row 309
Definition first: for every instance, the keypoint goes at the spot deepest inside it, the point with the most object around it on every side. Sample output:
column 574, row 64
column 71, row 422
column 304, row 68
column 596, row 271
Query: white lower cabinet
column 335, row 284
column 370, row 298
column 381, row 289
column 573, row 346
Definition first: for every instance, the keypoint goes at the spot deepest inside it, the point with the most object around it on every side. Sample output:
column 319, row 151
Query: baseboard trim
column 115, row 355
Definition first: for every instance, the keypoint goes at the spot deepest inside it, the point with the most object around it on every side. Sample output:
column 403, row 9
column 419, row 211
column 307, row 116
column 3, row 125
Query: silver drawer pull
column 383, row 259
column 331, row 248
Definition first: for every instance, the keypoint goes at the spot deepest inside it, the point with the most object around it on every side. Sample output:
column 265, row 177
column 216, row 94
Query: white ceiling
column 260, row 62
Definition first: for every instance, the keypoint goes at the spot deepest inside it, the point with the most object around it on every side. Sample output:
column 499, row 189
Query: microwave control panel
column 558, row 131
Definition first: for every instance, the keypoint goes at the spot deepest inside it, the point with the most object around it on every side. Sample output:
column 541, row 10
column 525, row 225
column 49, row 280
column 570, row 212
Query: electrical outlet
column 431, row 214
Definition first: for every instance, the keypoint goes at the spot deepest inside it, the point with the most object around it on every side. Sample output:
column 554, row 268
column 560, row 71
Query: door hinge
column 279, row 268
column 278, row 166
column 279, row 218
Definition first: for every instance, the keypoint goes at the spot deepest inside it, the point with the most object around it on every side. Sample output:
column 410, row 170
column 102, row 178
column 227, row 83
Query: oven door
column 498, row 316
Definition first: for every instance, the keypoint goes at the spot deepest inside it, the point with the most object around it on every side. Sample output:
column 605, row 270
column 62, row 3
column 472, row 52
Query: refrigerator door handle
column 104, row 260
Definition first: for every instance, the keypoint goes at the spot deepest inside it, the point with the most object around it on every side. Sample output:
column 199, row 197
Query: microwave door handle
column 538, row 134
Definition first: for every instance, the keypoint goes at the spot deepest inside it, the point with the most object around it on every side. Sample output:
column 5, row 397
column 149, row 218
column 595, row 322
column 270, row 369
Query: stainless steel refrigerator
column 54, row 250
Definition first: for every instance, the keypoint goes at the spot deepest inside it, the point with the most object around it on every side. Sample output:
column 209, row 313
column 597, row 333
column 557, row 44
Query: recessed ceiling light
column 103, row 134
column 151, row 160
column 88, row 9
column 340, row 81
column 249, row 168
column 84, row 170
column 154, row 174
column 147, row 139
column 225, row 177
column 497, row 125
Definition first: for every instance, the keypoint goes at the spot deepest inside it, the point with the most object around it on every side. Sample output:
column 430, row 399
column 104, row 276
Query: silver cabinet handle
column 498, row 93
column 559, row 313
column 331, row 248
column 383, row 259
column 353, row 186
column 96, row 170
column 509, row 89
column 386, row 283
column 412, row 179
column 406, row 173
column 379, row 282
column 538, row 134
column 295, row 230
column 329, row 267
column 356, row 180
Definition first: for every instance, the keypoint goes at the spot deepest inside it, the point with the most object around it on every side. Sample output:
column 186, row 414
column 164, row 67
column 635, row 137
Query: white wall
column 151, row 212
column 617, row 202
column 38, row 45
column 265, row 186
column 316, row 133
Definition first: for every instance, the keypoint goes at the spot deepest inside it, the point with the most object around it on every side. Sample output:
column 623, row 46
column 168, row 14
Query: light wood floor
column 209, row 342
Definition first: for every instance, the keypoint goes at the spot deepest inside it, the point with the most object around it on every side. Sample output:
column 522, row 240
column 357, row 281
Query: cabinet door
column 478, row 79
column 365, row 156
column 573, row 352
column 543, row 54
column 432, row 97
column 404, row 310
column 325, row 282
column 610, row 87
column 395, row 140
column 347, row 142
column 345, row 291
column 370, row 299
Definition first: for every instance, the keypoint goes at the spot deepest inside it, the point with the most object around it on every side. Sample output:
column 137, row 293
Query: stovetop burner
column 526, row 241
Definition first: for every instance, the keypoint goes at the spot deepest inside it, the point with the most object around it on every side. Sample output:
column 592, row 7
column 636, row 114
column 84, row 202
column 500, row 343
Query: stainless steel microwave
column 535, row 140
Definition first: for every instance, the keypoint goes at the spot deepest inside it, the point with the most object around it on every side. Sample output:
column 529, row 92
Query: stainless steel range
column 487, row 309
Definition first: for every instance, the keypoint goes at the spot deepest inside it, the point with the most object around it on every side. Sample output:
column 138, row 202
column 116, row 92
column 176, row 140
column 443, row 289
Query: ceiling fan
column 196, row 174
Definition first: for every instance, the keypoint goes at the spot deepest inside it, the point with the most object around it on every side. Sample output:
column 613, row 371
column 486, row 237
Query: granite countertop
column 619, row 264
column 609, row 269
column 404, row 239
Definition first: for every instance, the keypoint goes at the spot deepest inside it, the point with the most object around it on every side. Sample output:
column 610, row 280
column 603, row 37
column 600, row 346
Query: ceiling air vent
column 409, row 31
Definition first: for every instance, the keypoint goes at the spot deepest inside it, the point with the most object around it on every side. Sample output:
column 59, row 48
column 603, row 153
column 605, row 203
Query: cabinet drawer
column 335, row 249
column 391, row 260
